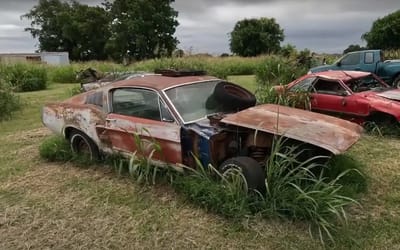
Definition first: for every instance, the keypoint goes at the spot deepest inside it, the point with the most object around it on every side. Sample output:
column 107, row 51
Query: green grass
column 43, row 205
column 246, row 81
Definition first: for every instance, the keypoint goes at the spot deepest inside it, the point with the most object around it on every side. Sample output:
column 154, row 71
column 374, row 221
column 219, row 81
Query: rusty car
column 361, row 97
column 191, row 115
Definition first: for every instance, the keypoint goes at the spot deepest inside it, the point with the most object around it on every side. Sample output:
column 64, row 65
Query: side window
column 329, row 87
column 303, row 85
column 351, row 59
column 96, row 99
column 136, row 102
column 369, row 58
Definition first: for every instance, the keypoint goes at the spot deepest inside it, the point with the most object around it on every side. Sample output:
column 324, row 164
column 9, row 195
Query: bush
column 56, row 148
column 24, row 77
column 62, row 74
column 276, row 70
column 298, row 99
column 9, row 102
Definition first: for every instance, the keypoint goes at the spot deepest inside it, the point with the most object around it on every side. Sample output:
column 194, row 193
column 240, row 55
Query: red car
column 353, row 95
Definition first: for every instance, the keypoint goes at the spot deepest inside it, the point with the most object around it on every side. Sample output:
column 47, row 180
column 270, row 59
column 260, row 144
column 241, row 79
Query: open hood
column 333, row 134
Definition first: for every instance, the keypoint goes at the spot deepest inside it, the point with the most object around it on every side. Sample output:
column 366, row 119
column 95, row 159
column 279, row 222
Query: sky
column 319, row 25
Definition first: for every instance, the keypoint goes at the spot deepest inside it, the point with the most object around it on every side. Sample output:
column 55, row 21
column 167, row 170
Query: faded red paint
column 330, row 133
column 114, row 133
column 120, row 130
column 356, row 105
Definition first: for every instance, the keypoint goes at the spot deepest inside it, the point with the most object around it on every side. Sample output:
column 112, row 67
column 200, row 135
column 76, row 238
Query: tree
column 252, row 37
column 384, row 33
column 142, row 29
column 353, row 47
column 61, row 26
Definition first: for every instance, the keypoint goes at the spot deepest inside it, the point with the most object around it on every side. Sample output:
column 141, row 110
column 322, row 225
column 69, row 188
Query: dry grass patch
column 66, row 207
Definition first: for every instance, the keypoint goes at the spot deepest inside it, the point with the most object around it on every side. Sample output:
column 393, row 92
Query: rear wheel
column 249, row 169
column 83, row 146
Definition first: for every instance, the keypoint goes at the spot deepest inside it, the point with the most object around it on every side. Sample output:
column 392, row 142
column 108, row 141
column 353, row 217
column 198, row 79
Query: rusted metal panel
column 59, row 116
column 330, row 133
column 120, row 130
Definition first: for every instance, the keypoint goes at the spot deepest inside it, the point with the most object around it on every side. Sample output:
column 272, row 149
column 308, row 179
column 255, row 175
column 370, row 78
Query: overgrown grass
column 23, row 77
column 44, row 199
column 276, row 70
column 295, row 190
column 9, row 102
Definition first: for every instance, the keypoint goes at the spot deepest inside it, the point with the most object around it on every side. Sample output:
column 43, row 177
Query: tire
column 251, row 170
column 82, row 145
column 382, row 119
column 234, row 96
column 396, row 82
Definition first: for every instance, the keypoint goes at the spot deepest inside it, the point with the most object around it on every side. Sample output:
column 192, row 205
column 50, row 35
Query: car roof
column 344, row 75
column 160, row 82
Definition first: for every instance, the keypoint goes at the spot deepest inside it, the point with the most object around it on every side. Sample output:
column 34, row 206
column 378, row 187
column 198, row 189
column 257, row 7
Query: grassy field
column 62, row 206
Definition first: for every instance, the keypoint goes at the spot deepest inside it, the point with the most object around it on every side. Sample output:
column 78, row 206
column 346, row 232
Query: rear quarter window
column 95, row 98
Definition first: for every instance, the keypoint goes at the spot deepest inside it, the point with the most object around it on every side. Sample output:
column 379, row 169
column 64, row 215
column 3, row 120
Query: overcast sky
column 320, row 25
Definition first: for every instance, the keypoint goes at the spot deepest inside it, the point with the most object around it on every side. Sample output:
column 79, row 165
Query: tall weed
column 24, row 77
column 9, row 102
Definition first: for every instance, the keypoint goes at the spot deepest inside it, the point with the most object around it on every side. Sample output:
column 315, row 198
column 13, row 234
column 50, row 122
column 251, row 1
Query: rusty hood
column 333, row 134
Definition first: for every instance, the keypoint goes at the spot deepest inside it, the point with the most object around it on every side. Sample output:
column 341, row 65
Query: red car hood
column 393, row 94
column 333, row 134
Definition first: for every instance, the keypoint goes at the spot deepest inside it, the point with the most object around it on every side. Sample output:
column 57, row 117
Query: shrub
column 56, row 148
column 275, row 70
column 63, row 74
column 9, row 102
column 25, row 77
column 299, row 99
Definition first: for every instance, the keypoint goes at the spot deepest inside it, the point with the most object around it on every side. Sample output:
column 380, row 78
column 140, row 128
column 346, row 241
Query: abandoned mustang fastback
column 189, row 116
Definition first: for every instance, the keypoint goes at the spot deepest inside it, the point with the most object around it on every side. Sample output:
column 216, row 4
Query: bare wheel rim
column 81, row 146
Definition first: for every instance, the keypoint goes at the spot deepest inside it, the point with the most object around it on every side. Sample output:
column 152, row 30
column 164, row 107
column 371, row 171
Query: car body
column 369, row 61
column 354, row 95
column 190, row 116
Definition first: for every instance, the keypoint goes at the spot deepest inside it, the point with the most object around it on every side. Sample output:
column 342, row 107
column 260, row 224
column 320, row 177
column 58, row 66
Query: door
column 141, row 112
column 330, row 97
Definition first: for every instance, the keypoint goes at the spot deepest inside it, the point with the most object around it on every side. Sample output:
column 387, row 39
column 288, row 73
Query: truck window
column 351, row 59
column 369, row 57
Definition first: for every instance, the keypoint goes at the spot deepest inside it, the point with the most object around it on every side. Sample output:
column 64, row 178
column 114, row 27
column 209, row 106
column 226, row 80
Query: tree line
column 138, row 29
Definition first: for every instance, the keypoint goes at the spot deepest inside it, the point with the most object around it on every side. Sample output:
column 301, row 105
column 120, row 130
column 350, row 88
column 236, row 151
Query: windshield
column 367, row 83
column 196, row 101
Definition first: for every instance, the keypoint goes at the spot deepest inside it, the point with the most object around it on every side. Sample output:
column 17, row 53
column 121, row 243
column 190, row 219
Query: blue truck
column 369, row 61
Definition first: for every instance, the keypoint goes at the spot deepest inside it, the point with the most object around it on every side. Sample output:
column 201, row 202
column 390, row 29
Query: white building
column 51, row 58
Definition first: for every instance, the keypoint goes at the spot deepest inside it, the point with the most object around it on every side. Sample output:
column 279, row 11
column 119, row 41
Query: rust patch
column 330, row 133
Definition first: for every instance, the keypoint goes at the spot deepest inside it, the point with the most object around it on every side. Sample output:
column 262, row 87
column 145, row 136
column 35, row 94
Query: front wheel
column 83, row 146
column 250, row 170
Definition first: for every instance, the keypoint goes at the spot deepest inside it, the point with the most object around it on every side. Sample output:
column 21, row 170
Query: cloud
column 322, row 26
